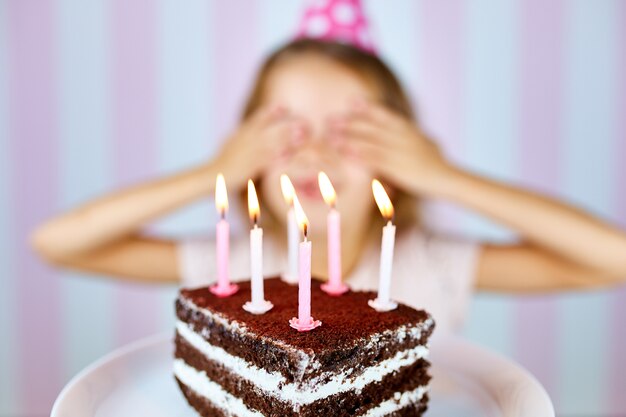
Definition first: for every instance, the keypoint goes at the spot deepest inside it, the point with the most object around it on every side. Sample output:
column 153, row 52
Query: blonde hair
column 369, row 68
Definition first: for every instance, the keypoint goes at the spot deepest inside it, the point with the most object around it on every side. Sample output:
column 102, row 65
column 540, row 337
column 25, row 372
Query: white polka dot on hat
column 337, row 20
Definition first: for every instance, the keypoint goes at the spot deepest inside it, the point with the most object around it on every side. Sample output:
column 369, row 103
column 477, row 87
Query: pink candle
column 223, row 288
column 304, row 282
column 222, row 234
column 304, row 322
column 334, row 286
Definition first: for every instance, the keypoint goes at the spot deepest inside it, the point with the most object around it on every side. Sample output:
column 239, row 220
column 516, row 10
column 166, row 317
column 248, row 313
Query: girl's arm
column 563, row 247
column 104, row 236
column 121, row 215
column 137, row 258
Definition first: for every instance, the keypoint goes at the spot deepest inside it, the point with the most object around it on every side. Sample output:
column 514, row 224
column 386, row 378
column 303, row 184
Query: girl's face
column 314, row 90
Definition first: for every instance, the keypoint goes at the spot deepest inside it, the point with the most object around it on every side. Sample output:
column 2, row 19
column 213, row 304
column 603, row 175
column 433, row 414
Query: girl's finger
column 281, row 139
column 267, row 114
column 370, row 152
column 360, row 129
column 375, row 112
column 298, row 132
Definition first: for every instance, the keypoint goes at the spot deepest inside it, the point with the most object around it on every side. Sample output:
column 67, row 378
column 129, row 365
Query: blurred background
column 95, row 95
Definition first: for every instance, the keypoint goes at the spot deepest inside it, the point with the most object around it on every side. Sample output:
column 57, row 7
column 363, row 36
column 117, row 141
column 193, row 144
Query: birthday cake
column 359, row 362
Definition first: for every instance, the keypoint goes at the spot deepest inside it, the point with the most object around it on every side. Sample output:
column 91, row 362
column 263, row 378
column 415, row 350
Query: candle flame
column 287, row 187
column 327, row 189
column 221, row 196
column 382, row 200
column 301, row 218
column 253, row 203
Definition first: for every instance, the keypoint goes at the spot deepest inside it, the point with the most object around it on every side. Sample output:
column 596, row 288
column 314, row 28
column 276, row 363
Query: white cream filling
column 203, row 386
column 397, row 402
column 275, row 384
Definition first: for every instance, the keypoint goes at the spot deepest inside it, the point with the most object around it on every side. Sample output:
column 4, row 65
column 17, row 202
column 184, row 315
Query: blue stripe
column 186, row 109
column 592, row 41
column 394, row 33
column 8, row 348
column 492, row 96
column 491, row 109
column 279, row 21
column 583, row 360
column 185, row 103
column 84, row 153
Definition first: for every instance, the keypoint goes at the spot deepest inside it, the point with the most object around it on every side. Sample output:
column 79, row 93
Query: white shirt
column 431, row 272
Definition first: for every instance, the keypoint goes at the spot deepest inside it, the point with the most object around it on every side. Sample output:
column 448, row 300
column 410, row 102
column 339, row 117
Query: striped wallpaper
column 98, row 94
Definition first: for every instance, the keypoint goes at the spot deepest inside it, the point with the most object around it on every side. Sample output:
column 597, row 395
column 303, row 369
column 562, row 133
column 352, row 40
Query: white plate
column 137, row 380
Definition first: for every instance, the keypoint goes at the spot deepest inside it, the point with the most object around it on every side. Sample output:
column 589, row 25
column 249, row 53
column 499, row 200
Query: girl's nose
column 317, row 152
column 323, row 133
column 313, row 138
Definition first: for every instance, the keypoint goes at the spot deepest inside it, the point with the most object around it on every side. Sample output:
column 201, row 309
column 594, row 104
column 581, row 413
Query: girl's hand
column 267, row 136
column 392, row 146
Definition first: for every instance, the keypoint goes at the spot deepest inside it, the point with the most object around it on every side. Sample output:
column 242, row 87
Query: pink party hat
column 337, row 20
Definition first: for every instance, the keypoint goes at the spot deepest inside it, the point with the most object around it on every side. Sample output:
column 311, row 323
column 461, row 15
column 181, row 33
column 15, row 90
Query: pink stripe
column 236, row 60
column 34, row 137
column 536, row 340
column 617, row 399
column 540, row 111
column 440, row 78
column 134, row 118
column 542, row 50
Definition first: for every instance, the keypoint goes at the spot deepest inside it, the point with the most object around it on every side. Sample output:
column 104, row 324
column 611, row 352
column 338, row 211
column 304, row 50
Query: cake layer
column 189, row 343
column 353, row 394
column 352, row 337
column 211, row 399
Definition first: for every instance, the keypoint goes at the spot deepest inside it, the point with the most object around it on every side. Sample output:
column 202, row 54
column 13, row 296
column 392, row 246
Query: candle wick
column 305, row 229
column 223, row 214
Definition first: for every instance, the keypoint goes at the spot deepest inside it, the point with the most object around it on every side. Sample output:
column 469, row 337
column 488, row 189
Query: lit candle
column 291, row 275
column 258, row 304
column 383, row 302
column 304, row 322
column 334, row 286
column 223, row 288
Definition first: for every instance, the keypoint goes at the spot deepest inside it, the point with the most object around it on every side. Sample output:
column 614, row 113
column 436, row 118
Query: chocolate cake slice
column 360, row 362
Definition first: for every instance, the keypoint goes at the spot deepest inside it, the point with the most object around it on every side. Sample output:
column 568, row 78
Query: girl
column 325, row 106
